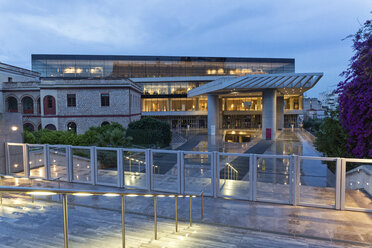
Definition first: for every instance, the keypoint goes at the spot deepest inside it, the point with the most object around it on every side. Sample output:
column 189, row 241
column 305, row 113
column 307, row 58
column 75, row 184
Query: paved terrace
column 95, row 222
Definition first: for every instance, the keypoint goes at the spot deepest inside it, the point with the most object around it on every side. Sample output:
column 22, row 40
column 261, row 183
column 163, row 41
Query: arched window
column 71, row 126
column 105, row 123
column 49, row 105
column 12, row 104
column 50, row 127
column 28, row 105
column 39, row 127
column 28, row 126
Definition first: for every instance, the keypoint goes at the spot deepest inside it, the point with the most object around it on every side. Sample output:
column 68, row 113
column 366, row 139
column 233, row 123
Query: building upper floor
column 113, row 66
column 10, row 73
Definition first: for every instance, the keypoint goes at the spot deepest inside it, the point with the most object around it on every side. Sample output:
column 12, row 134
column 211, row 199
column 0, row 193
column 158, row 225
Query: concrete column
column 213, row 122
column 213, row 115
column 300, row 102
column 291, row 103
column 279, row 112
column 269, row 113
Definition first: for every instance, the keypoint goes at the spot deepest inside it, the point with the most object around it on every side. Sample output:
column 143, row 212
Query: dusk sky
column 312, row 32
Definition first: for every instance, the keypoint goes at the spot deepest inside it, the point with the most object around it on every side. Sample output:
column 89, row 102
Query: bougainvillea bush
column 355, row 95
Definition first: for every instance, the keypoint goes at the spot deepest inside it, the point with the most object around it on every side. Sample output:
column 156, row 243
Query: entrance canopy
column 286, row 83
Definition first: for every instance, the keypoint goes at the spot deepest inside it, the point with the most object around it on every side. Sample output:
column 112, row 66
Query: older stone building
column 72, row 105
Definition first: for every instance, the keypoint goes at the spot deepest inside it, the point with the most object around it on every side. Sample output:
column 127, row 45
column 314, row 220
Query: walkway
column 225, row 218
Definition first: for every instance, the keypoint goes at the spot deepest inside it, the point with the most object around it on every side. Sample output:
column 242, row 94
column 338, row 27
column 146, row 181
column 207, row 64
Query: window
column 105, row 100
column 105, row 123
column 71, row 100
column 10, row 79
column 28, row 105
column 71, row 126
column 50, row 101
column 12, row 104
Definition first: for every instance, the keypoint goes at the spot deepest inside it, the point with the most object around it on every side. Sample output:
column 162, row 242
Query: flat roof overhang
column 285, row 83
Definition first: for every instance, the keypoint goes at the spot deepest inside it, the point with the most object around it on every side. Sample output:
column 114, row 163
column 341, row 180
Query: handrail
column 64, row 192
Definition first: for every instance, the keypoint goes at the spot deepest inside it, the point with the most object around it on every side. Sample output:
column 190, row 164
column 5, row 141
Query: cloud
column 309, row 31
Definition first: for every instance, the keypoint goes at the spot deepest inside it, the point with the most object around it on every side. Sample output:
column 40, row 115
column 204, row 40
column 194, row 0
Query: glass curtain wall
column 90, row 66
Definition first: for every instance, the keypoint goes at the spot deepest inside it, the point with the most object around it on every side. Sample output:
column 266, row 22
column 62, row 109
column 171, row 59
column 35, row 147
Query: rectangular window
column 71, row 100
column 105, row 100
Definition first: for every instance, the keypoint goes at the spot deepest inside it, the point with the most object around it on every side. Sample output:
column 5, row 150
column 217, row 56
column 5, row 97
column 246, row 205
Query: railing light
column 131, row 195
column 41, row 193
column 171, row 195
column 194, row 196
column 148, row 195
column 111, row 194
column 82, row 194
column 8, row 177
column 160, row 195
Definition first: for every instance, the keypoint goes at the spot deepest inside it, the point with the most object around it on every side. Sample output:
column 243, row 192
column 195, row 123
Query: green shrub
column 150, row 131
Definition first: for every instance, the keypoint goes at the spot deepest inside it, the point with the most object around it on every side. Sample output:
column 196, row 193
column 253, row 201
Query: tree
column 149, row 131
column 355, row 95
column 331, row 138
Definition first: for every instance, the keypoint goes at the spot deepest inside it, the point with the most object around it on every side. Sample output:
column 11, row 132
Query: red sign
column 268, row 133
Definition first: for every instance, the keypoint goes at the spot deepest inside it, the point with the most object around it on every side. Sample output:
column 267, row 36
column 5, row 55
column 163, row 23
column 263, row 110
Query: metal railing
column 81, row 193
column 254, row 177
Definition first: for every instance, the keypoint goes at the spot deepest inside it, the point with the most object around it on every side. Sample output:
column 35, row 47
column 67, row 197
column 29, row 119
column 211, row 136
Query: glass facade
column 242, row 104
column 103, row 66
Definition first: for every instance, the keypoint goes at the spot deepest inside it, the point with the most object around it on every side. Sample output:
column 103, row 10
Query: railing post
column 65, row 219
column 155, row 219
column 123, row 220
column 254, row 177
column 297, row 181
column 251, row 170
column 46, row 161
column 292, row 179
column 26, row 167
column 93, row 165
column 202, row 205
column 7, row 159
column 69, row 164
column 215, row 174
column 176, row 212
column 120, row 167
column 343, row 183
column 190, row 210
column 181, row 172
column 340, row 184
column 149, row 173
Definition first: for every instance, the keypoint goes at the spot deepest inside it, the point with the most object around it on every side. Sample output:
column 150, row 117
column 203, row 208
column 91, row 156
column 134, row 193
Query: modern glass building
column 166, row 81
column 110, row 66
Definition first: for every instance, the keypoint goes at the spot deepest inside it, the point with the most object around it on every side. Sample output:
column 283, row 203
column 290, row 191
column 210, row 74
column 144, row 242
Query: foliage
column 149, row 131
column 355, row 95
column 112, row 135
column 312, row 125
column 331, row 137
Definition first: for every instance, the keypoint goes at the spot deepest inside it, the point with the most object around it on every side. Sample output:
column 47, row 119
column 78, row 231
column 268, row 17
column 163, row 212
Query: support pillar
column 269, row 114
column 279, row 112
column 213, row 122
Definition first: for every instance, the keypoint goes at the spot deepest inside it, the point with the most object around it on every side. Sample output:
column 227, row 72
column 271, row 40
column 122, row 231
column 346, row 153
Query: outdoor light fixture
column 111, row 194
column 14, row 128
column 131, row 195
column 41, row 193
column 82, row 194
